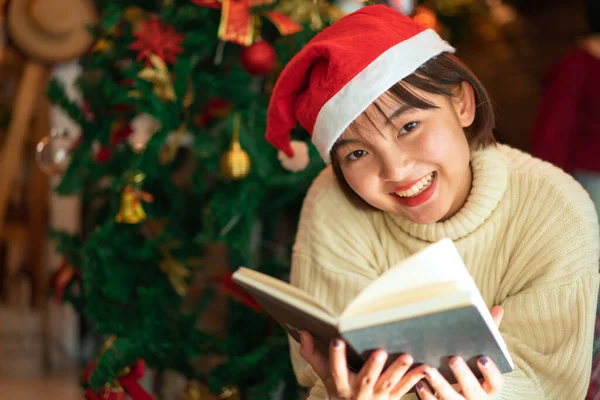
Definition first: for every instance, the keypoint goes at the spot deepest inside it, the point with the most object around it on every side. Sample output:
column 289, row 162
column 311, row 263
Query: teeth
column 418, row 187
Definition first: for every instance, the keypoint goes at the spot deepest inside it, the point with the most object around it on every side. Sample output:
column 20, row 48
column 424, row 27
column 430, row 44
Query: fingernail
column 484, row 361
column 428, row 374
column 456, row 362
column 419, row 386
column 337, row 343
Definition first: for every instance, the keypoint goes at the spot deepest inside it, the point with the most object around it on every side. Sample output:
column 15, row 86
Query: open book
column 427, row 306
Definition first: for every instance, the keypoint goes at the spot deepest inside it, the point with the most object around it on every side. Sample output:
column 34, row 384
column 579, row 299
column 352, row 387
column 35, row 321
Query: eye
column 408, row 127
column 355, row 155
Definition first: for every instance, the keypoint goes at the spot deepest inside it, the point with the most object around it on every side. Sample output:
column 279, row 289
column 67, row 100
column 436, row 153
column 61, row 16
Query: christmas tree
column 180, row 188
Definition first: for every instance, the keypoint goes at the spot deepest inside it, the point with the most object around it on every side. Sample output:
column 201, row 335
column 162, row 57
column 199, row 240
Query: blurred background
column 134, row 178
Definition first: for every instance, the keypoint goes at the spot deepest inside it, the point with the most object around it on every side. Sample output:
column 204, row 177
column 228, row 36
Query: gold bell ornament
column 235, row 163
column 131, row 211
column 198, row 391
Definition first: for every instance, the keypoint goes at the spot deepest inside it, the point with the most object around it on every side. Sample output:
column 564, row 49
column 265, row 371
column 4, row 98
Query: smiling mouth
column 418, row 187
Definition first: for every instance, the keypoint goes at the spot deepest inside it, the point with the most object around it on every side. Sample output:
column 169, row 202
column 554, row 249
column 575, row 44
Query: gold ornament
column 235, row 163
column 317, row 13
column 199, row 391
column 175, row 271
column 134, row 15
column 102, row 46
column 159, row 76
column 131, row 211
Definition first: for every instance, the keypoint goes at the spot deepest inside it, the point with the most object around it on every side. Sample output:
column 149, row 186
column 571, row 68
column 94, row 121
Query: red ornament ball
column 259, row 58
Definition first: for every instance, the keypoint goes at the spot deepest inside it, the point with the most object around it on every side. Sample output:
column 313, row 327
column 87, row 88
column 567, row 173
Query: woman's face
column 418, row 167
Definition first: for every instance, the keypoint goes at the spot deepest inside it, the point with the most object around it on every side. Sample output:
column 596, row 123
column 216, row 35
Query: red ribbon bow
column 236, row 19
column 127, row 383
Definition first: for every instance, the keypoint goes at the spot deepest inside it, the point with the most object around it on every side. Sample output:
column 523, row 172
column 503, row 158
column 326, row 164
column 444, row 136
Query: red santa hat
column 340, row 72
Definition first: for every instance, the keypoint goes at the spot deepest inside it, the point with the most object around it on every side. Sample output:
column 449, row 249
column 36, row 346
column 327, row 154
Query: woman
column 408, row 131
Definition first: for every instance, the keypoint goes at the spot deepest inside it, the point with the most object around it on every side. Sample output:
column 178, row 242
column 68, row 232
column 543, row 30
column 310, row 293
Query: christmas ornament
column 228, row 285
column 427, row 18
column 213, row 109
column 317, row 14
column 199, row 391
column 235, row 163
column 159, row 76
column 61, row 279
column 53, row 152
column 154, row 38
column 143, row 126
column 238, row 23
column 299, row 161
column 406, row 7
column 175, row 271
column 258, row 58
column 103, row 46
column 125, row 385
column 103, row 155
column 135, row 15
column 120, row 130
column 131, row 211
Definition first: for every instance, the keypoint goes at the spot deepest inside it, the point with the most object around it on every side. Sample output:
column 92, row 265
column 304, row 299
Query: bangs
column 398, row 96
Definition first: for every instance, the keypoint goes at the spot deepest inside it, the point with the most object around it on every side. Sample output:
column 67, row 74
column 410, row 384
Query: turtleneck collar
column 490, row 179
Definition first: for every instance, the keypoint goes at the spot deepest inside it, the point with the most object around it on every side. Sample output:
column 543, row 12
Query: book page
column 435, row 264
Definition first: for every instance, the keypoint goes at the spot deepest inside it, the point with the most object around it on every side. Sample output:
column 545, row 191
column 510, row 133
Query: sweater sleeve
column 332, row 260
column 558, row 113
column 549, row 295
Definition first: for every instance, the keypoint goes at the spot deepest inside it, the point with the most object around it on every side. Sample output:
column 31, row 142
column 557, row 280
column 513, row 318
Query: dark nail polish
column 484, row 361
column 337, row 343
column 419, row 386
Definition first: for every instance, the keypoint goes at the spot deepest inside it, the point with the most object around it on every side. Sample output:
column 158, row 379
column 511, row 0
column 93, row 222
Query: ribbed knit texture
column 528, row 234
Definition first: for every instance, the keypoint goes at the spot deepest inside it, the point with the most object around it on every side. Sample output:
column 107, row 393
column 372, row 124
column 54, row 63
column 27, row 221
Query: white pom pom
column 143, row 126
column 300, row 159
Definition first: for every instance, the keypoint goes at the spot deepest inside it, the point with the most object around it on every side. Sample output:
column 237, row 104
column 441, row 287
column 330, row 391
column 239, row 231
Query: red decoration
column 104, row 155
column 259, row 58
column 155, row 38
column 120, row 131
column 237, row 25
column 228, row 285
column 126, row 384
column 213, row 109
column 61, row 279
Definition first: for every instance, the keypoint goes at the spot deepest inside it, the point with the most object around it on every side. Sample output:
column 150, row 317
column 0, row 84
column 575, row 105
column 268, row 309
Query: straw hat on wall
column 51, row 31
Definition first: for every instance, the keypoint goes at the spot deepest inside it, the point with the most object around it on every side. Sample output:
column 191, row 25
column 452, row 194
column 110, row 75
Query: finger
column 369, row 375
column 408, row 381
column 424, row 392
column 468, row 382
column 497, row 314
column 339, row 368
column 392, row 375
column 309, row 352
column 492, row 377
column 441, row 385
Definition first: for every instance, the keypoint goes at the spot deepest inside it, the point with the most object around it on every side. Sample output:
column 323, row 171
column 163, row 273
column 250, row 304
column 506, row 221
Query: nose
column 395, row 167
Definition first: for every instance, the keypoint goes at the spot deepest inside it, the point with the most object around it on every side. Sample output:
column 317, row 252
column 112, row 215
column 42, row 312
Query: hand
column 468, row 386
column 370, row 383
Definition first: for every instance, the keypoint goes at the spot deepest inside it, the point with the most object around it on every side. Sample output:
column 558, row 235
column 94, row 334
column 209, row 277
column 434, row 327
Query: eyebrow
column 396, row 114
column 390, row 120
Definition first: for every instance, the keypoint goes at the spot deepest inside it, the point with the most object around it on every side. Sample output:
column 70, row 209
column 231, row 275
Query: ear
column 464, row 104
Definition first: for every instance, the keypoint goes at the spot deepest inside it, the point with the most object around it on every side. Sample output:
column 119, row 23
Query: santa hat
column 340, row 72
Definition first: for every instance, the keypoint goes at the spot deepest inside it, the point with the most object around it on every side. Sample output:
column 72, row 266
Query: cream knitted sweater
column 528, row 234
